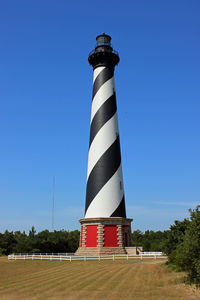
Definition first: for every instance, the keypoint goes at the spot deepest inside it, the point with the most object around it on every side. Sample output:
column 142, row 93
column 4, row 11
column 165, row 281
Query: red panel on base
column 110, row 236
column 91, row 236
column 81, row 237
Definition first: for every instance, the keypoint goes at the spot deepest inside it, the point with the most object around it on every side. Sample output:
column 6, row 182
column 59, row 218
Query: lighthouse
column 104, row 228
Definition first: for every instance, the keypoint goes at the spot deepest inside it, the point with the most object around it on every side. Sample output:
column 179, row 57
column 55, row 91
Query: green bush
column 183, row 246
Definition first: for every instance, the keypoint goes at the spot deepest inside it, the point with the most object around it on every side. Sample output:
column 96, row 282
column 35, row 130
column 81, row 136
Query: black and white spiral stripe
column 105, row 192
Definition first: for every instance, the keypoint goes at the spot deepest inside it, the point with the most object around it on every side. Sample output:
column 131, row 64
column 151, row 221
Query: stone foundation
column 104, row 236
column 133, row 250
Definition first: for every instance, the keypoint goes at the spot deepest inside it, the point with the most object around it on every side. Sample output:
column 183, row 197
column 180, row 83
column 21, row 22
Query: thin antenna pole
column 53, row 200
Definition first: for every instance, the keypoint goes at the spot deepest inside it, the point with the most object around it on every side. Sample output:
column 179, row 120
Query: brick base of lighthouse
column 103, row 236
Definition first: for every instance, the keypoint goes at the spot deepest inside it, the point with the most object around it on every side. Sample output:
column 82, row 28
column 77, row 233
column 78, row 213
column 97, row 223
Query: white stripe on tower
column 105, row 192
column 103, row 205
column 102, row 141
column 96, row 72
column 102, row 95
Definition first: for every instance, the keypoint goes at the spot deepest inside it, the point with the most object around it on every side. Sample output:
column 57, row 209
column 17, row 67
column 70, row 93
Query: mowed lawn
column 91, row 280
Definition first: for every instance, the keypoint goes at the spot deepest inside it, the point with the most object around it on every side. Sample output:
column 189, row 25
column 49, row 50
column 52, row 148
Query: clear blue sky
column 45, row 102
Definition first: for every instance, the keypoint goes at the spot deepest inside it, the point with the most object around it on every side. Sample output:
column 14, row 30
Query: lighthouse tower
column 105, row 228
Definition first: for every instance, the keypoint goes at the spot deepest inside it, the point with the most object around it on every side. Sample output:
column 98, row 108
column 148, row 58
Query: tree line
column 181, row 243
column 67, row 241
column 43, row 242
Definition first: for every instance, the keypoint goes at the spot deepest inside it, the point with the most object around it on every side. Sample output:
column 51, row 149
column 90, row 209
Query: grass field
column 91, row 280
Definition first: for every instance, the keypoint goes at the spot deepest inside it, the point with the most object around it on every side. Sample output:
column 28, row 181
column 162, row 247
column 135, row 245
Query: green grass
column 55, row 280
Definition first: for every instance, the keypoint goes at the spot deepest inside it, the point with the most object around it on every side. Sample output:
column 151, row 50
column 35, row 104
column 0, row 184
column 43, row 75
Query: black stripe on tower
column 103, row 76
column 120, row 210
column 104, row 169
column 105, row 113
